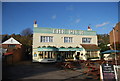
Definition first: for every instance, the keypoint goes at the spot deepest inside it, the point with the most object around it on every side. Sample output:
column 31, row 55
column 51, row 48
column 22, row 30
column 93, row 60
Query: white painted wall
column 58, row 40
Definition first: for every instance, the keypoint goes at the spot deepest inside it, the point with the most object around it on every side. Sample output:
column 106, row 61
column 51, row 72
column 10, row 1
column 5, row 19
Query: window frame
column 11, row 45
column 46, row 39
column 68, row 39
column 86, row 40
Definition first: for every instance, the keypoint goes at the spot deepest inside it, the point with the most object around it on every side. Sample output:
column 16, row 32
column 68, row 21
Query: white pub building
column 49, row 44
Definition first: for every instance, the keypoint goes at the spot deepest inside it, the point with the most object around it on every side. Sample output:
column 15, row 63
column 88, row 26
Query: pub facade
column 51, row 44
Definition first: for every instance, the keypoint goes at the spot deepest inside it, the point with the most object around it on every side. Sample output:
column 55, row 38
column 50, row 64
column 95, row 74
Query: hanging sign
column 108, row 72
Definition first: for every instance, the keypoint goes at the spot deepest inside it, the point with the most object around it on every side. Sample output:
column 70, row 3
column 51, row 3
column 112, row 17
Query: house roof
column 11, row 41
column 90, row 46
column 9, row 53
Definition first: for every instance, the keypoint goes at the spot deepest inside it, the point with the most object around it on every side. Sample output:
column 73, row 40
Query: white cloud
column 103, row 24
column 77, row 20
column 54, row 17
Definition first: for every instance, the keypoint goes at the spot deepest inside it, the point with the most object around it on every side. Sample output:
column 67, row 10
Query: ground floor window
column 47, row 54
column 69, row 55
column 52, row 54
column 92, row 54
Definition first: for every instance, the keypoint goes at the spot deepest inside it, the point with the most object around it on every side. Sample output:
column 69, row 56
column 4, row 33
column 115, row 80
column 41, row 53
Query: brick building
column 115, row 37
column 14, row 51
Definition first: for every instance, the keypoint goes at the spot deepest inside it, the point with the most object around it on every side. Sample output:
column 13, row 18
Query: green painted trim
column 59, row 49
column 92, row 49
column 65, row 31
column 70, row 49
column 47, row 49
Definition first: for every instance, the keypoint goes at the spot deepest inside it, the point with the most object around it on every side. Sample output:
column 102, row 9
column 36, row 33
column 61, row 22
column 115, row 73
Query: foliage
column 103, row 41
column 25, row 39
column 5, row 37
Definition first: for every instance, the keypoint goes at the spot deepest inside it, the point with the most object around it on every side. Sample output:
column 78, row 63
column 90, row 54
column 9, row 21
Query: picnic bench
column 93, row 68
column 68, row 65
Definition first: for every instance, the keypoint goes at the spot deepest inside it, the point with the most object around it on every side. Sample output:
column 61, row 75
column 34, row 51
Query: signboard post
column 108, row 72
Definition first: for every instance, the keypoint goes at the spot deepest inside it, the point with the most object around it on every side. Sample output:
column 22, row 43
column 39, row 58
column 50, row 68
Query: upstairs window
column 46, row 39
column 86, row 40
column 68, row 39
column 11, row 45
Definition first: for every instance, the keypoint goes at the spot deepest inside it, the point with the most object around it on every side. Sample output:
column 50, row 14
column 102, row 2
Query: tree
column 26, row 40
column 26, row 32
column 103, row 41
column 5, row 37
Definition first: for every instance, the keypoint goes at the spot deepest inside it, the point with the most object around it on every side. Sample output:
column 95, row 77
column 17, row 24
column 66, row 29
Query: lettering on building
column 61, row 31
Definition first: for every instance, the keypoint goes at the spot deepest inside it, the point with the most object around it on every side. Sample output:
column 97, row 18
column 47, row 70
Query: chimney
column 35, row 23
column 89, row 28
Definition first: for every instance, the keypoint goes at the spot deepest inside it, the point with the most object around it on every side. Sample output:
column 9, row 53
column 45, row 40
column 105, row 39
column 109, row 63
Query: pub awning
column 90, row 47
column 58, row 49
column 70, row 49
column 47, row 49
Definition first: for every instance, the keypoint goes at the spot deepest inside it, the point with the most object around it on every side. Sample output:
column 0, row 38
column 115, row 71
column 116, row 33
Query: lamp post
column 115, row 51
column 114, row 44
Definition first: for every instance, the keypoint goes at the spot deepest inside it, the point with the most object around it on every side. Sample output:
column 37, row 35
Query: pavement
column 26, row 70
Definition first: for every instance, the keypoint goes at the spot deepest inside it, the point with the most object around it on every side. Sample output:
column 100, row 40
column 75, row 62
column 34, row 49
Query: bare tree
column 26, row 32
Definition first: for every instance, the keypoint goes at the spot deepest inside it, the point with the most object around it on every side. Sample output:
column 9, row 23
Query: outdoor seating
column 90, row 67
column 117, row 62
column 65, row 65
column 69, row 65
column 93, row 68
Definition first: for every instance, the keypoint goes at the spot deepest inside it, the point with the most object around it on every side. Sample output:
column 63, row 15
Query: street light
column 114, row 42
column 115, row 48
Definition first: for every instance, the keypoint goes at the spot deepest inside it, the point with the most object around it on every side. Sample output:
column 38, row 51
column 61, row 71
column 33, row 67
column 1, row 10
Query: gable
column 11, row 41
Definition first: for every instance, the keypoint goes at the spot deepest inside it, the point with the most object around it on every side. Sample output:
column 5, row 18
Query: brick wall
column 7, row 46
column 16, row 57
column 116, row 34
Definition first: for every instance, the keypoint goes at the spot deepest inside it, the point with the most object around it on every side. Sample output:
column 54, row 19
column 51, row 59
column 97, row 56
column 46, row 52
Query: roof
column 11, row 41
column 90, row 46
column 63, row 31
column 10, row 53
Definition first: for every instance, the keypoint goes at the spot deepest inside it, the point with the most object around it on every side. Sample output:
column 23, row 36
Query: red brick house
column 11, row 43
column 14, row 51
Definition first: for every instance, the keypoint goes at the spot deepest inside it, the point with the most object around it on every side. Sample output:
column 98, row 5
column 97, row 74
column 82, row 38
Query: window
column 46, row 39
column 46, row 55
column 92, row 54
column 86, row 40
column 69, row 55
column 11, row 45
column 68, row 39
